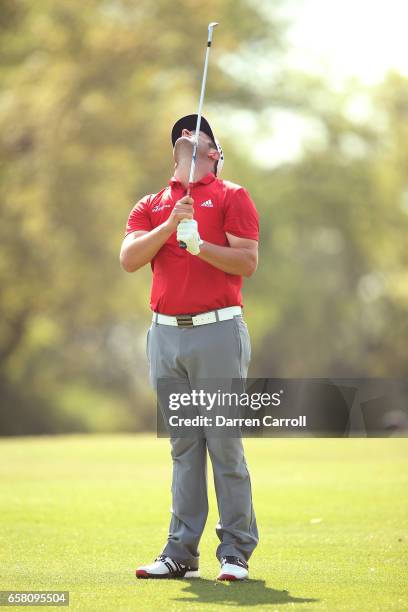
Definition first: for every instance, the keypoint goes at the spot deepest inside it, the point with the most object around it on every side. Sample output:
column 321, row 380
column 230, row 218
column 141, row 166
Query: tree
column 89, row 93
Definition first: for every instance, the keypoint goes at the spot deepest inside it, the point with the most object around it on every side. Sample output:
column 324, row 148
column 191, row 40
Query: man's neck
column 182, row 171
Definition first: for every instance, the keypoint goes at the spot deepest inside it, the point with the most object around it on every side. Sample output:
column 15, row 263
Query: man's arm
column 240, row 258
column 139, row 247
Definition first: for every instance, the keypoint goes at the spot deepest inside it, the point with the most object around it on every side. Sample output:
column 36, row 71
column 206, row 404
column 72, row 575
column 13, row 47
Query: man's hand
column 187, row 232
column 183, row 209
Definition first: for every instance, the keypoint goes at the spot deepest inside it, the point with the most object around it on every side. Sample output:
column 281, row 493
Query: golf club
column 211, row 27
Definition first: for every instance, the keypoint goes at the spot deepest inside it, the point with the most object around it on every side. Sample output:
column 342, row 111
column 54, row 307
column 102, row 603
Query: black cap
column 189, row 122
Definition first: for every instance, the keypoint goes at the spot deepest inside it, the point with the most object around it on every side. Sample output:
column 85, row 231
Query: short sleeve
column 139, row 218
column 241, row 217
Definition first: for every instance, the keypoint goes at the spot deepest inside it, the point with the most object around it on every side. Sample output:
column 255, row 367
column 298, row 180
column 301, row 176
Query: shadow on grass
column 246, row 593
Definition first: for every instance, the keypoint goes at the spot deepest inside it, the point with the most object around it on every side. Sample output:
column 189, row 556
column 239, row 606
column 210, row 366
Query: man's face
column 206, row 148
column 204, row 141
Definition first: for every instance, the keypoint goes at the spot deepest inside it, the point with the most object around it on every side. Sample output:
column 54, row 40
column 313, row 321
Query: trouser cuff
column 176, row 552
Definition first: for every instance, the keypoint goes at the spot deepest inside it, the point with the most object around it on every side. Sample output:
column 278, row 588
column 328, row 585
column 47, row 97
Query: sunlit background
column 310, row 101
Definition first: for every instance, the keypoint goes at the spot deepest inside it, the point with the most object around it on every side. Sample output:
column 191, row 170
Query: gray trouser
column 215, row 350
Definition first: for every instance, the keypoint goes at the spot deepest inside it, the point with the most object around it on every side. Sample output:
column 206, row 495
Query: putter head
column 211, row 26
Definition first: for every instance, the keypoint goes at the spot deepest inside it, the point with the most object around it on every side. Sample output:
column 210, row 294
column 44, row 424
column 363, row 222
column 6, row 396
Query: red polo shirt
column 184, row 283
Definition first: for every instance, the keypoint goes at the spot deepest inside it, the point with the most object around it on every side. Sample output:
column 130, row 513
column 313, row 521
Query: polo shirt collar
column 208, row 178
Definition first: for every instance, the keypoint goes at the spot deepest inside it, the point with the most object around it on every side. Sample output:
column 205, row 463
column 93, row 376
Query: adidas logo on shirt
column 207, row 204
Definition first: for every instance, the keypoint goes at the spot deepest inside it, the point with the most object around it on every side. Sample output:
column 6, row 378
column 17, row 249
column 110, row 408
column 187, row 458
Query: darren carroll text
column 221, row 421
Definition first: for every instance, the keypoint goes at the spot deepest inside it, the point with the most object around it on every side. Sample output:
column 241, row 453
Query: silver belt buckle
column 184, row 320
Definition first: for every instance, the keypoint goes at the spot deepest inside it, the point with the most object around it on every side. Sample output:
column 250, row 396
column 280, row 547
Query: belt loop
column 217, row 316
column 155, row 317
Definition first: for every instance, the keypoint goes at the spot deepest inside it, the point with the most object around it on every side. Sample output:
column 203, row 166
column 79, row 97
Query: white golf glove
column 187, row 232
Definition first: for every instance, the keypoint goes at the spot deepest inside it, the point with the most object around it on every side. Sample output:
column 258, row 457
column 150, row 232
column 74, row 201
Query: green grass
column 80, row 513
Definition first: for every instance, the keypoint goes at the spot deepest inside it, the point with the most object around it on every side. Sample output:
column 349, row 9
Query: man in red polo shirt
column 198, row 332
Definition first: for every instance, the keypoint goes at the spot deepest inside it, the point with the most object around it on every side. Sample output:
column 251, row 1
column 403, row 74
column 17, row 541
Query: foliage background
column 89, row 92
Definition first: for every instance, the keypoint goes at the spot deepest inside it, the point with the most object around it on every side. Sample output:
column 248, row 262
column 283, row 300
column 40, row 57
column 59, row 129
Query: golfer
column 198, row 332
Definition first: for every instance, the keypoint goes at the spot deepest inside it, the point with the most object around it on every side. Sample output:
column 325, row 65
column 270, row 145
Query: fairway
column 79, row 513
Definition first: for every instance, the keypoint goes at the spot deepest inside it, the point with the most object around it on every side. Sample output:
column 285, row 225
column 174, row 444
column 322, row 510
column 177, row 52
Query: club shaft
column 198, row 124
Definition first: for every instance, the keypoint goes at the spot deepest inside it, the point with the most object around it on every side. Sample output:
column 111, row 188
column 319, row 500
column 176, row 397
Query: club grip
column 182, row 244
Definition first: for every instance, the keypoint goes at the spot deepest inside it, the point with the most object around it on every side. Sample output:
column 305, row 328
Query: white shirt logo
column 160, row 207
column 207, row 204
